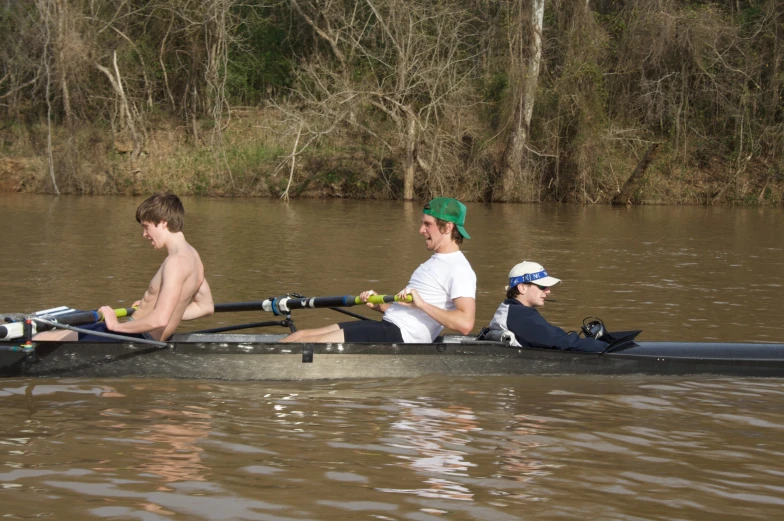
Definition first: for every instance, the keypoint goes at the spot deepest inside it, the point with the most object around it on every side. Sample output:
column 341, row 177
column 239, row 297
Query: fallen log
column 625, row 195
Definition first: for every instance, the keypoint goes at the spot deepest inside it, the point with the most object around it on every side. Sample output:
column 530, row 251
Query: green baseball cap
column 448, row 209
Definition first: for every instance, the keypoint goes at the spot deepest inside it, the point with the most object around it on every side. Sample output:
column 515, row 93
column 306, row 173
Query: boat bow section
column 706, row 351
column 719, row 358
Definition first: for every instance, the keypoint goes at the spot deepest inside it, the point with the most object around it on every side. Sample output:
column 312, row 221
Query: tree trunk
column 775, row 90
column 62, row 60
column 45, row 11
column 409, row 164
column 526, row 78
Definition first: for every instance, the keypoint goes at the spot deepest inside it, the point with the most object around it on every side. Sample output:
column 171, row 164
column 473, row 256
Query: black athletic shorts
column 101, row 328
column 371, row 331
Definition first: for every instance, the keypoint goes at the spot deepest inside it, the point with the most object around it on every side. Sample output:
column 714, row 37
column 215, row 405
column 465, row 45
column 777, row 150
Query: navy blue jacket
column 532, row 330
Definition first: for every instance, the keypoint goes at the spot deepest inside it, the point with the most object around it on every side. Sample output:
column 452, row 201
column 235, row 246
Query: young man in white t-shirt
column 443, row 290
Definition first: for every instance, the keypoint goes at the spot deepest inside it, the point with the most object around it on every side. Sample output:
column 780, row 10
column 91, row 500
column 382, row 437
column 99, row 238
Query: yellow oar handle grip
column 119, row 313
column 384, row 299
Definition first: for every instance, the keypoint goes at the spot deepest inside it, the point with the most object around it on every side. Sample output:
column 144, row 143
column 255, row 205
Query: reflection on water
column 516, row 461
column 438, row 437
column 179, row 458
column 170, row 437
column 464, row 449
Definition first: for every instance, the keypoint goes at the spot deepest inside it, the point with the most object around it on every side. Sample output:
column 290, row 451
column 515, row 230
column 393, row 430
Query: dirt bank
column 255, row 162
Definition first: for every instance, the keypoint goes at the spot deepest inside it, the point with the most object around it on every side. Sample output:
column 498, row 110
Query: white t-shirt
column 439, row 280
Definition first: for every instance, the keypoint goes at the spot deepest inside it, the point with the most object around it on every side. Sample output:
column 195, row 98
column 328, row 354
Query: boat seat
column 496, row 335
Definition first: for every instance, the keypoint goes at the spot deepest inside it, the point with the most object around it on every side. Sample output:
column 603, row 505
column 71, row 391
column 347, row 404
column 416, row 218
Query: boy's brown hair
column 162, row 207
column 441, row 224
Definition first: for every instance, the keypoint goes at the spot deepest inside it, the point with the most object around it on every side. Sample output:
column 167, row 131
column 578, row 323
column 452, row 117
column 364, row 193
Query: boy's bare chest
column 155, row 284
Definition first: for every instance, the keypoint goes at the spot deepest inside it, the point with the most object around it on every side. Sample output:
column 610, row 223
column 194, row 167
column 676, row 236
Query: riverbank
column 255, row 160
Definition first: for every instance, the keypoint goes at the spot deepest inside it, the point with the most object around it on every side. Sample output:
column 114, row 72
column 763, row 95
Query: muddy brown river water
column 493, row 448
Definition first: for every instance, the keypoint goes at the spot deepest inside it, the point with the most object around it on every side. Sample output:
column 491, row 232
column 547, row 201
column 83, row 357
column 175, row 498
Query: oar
column 61, row 315
column 284, row 304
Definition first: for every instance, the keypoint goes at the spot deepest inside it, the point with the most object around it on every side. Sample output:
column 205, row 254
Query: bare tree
column 410, row 62
column 219, row 27
column 525, row 51
column 44, row 10
column 127, row 113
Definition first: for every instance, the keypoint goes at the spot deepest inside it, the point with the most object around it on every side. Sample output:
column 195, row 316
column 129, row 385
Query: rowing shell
column 261, row 357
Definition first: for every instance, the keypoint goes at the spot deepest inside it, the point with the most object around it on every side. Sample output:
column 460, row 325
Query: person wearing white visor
column 529, row 286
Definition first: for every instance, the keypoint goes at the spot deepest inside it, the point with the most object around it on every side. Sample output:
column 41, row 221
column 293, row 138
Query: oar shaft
column 338, row 302
column 75, row 318
column 253, row 305
column 285, row 304
column 80, row 318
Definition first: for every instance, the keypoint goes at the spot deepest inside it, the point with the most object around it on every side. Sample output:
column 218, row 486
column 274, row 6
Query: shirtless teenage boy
column 177, row 292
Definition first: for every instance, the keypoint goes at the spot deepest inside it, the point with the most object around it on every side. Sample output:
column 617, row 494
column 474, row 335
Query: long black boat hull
column 259, row 357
